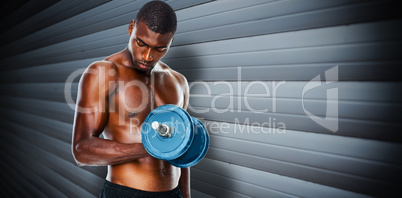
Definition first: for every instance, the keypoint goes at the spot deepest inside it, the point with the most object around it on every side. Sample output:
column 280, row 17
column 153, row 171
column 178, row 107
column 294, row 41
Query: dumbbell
column 170, row 133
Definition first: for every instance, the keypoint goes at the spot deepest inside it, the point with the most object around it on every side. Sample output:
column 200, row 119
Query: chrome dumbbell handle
column 163, row 129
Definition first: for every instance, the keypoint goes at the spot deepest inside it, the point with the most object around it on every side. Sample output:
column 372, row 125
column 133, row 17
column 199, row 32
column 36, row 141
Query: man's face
column 147, row 47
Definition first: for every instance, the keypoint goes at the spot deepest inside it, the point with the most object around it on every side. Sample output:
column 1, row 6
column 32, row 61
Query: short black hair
column 158, row 16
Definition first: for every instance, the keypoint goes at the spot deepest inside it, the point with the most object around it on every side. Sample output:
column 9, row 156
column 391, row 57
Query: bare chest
column 139, row 97
column 131, row 100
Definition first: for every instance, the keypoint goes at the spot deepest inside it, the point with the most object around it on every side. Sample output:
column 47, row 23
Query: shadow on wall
column 185, row 61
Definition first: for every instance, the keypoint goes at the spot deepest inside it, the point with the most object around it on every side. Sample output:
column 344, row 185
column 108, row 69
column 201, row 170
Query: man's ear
column 131, row 27
column 171, row 41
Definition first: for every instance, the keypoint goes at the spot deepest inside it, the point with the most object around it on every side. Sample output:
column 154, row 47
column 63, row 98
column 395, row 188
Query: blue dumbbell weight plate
column 198, row 148
column 167, row 148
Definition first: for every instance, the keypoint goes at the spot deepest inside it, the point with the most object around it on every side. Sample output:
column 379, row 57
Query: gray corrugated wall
column 256, row 70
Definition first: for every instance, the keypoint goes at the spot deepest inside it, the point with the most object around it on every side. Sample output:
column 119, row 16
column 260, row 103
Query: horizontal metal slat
column 56, row 129
column 279, row 183
column 266, row 10
column 213, row 7
column 214, row 190
column 36, row 186
column 87, row 46
column 40, row 91
column 354, row 33
column 24, row 11
column 341, row 164
column 103, row 17
column 348, row 71
column 336, row 54
column 339, row 145
column 14, row 187
column 347, row 91
column 49, row 144
column 49, row 129
column 42, row 149
column 346, row 109
column 106, row 51
column 306, row 173
column 58, row 72
column 359, row 92
column 52, row 110
column 196, row 193
column 300, row 21
column 62, row 184
column 344, row 127
column 237, row 186
column 53, row 14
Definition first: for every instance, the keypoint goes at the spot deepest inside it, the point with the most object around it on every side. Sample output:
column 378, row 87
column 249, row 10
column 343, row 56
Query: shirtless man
column 116, row 94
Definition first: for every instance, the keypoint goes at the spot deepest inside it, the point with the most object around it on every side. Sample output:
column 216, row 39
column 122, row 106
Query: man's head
column 151, row 34
column 158, row 16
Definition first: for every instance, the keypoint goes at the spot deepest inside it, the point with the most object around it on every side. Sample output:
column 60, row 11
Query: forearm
column 101, row 152
column 184, row 182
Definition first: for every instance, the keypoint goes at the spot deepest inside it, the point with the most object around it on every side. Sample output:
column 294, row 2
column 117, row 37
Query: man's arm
column 90, row 119
column 184, row 181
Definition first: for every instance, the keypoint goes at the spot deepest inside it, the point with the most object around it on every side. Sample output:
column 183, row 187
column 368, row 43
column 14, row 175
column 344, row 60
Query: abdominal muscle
column 147, row 173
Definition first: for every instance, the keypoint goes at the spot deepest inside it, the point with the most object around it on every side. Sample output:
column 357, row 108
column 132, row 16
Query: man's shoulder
column 101, row 65
column 182, row 79
column 110, row 62
column 98, row 72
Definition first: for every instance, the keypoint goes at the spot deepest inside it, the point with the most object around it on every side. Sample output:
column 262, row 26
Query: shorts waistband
column 123, row 191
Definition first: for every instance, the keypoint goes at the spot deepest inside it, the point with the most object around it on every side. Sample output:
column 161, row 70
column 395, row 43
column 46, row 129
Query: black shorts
column 112, row 190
